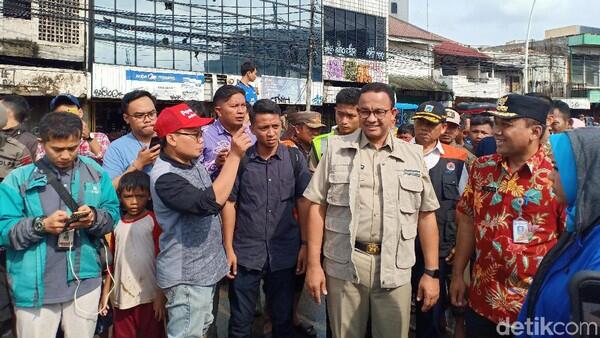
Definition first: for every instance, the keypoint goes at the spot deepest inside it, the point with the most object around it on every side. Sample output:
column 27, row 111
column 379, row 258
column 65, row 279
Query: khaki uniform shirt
column 404, row 189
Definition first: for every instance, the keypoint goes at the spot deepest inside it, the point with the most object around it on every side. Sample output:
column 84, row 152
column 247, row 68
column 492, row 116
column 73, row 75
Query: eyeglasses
column 379, row 113
column 196, row 136
column 142, row 116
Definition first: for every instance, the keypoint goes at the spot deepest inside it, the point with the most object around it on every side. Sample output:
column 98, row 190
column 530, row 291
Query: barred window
column 59, row 21
column 20, row 9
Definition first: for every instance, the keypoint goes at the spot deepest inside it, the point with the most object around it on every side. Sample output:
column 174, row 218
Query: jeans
column 244, row 292
column 190, row 310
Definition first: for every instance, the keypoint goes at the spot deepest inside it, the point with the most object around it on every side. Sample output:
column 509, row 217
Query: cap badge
column 502, row 107
column 428, row 108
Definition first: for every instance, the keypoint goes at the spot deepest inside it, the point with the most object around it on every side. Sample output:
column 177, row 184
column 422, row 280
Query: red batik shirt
column 504, row 270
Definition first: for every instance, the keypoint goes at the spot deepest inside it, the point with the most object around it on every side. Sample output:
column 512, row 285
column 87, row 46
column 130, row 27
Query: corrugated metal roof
column 399, row 28
column 456, row 49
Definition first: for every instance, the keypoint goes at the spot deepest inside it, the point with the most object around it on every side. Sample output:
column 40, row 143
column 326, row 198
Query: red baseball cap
column 180, row 116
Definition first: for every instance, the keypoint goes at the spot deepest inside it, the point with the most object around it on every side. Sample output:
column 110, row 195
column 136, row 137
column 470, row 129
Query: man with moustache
column 370, row 195
column 230, row 107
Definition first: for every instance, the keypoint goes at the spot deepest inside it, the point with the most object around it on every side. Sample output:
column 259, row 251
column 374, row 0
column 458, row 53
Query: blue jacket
column 26, row 250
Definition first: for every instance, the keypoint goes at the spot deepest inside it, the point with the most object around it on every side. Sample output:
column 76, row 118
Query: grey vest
column 191, row 246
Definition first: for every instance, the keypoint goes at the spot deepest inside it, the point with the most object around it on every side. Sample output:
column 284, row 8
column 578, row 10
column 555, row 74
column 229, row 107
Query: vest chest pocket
column 339, row 188
column 409, row 193
column 450, row 186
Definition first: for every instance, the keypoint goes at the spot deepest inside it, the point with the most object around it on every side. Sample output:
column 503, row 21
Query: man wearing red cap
column 187, row 205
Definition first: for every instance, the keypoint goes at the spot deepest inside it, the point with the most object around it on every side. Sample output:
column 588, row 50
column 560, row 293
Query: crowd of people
column 468, row 224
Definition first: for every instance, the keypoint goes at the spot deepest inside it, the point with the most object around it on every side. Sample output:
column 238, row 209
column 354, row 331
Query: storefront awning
column 417, row 83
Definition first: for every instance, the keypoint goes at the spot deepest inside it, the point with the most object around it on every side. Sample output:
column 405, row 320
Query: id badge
column 65, row 240
column 520, row 231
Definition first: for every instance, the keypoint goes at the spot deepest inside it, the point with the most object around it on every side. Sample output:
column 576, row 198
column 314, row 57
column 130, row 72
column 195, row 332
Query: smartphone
column 76, row 216
column 154, row 141
column 584, row 289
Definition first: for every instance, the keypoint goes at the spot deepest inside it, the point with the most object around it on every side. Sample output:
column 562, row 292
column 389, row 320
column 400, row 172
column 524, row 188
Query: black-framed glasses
column 379, row 113
column 142, row 116
column 196, row 136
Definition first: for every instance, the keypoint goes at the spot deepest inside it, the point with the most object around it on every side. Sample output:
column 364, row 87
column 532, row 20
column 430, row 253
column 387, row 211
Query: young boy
column 137, row 300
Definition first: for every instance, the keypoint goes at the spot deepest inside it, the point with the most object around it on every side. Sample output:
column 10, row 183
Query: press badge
column 65, row 240
column 521, row 231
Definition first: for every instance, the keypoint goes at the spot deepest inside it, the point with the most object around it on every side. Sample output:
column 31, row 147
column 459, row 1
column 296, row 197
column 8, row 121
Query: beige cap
column 452, row 116
column 310, row 118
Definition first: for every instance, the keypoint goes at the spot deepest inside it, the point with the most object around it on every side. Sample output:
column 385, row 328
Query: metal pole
column 526, row 70
column 310, row 56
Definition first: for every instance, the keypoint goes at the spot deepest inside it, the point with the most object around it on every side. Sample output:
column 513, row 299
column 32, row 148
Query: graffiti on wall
column 352, row 70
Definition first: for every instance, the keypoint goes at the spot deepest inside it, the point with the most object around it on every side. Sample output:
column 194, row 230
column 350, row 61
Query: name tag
column 412, row 172
column 521, row 231
column 489, row 188
column 65, row 240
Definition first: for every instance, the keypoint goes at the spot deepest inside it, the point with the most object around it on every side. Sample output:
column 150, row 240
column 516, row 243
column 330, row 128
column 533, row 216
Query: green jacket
column 26, row 250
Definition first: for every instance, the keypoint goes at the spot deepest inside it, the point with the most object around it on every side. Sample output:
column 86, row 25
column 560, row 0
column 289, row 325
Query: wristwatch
column 433, row 273
column 38, row 225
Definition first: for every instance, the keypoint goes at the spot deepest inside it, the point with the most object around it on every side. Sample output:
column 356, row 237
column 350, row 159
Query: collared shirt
column 495, row 197
column 13, row 154
column 217, row 138
column 84, row 147
column 265, row 193
column 23, row 136
column 433, row 157
column 121, row 153
column 370, row 192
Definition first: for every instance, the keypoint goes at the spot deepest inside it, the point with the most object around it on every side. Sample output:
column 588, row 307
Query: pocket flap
column 411, row 183
column 339, row 177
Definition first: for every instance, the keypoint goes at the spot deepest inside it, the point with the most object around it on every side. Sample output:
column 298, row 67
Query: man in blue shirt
column 261, row 236
column 131, row 152
column 249, row 74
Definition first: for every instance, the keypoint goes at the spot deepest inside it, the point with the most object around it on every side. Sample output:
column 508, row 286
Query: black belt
column 368, row 247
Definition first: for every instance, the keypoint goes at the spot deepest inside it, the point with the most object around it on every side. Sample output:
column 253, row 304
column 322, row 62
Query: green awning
column 417, row 83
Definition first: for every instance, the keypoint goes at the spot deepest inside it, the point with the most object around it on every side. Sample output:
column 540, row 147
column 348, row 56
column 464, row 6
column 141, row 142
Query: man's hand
column 429, row 292
column 301, row 264
column 86, row 221
column 240, row 142
column 315, row 282
column 458, row 289
column 158, row 305
column 146, row 156
column 221, row 157
column 55, row 223
column 232, row 264
column 450, row 257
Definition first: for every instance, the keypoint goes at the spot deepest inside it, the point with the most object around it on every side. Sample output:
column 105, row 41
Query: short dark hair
column 19, row 106
column 60, row 125
column 563, row 108
column 246, row 67
column 132, row 96
column 406, row 129
column 134, row 180
column 378, row 87
column 201, row 109
column 480, row 120
column 348, row 96
column 224, row 93
column 531, row 123
column 264, row 106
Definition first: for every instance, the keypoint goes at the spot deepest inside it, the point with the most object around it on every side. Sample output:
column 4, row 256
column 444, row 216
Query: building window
column 355, row 35
column 19, row 9
column 59, row 21
column 394, row 8
column 213, row 36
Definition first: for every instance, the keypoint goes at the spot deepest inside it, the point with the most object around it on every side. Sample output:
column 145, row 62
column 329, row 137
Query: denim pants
column 244, row 292
column 190, row 310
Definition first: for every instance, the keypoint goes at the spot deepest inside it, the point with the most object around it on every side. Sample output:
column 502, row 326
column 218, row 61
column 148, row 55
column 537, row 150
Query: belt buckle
column 372, row 248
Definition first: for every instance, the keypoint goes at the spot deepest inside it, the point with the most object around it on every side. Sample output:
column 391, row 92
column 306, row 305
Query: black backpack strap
column 65, row 196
